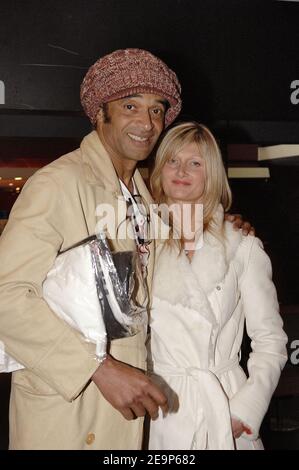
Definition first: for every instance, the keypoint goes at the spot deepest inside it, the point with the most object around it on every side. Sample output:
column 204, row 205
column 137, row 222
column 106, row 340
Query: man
column 65, row 399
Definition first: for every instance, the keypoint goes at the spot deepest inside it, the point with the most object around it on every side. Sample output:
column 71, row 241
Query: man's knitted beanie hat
column 127, row 72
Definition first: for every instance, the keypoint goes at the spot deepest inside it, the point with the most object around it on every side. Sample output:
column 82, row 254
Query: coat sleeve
column 31, row 332
column 268, row 340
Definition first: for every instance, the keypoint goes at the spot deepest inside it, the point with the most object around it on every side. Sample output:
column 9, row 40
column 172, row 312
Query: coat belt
column 214, row 400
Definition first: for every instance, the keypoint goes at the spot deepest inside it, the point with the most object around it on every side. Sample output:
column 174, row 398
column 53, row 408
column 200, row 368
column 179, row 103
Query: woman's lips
column 181, row 182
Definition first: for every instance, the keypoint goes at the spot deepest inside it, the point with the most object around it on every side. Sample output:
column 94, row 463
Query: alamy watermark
column 157, row 221
column 294, row 357
column 294, row 96
column 2, row 92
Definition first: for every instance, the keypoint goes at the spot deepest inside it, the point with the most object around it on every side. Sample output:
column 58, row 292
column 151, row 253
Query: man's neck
column 125, row 172
column 123, row 166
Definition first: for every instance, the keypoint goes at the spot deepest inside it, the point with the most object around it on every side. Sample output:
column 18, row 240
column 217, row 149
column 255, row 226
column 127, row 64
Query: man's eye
column 158, row 111
column 129, row 106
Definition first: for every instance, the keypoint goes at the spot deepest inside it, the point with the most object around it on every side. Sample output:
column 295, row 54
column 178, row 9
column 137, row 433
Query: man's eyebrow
column 165, row 103
column 138, row 95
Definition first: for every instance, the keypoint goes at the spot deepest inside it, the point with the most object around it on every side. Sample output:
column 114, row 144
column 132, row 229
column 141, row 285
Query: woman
column 205, row 288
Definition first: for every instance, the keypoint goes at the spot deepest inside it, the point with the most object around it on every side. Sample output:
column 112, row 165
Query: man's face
column 132, row 127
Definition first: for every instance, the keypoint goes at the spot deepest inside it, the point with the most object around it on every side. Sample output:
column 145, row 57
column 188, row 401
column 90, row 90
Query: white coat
column 197, row 322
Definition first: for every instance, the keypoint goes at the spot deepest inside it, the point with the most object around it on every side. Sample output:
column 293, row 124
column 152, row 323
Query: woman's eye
column 195, row 163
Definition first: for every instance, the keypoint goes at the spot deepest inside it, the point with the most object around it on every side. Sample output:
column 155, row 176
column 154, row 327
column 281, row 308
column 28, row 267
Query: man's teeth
column 136, row 137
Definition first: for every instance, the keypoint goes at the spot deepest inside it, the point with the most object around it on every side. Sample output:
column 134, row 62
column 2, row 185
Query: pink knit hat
column 126, row 72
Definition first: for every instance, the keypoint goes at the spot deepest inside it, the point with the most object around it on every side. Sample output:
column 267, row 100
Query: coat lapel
column 101, row 177
column 175, row 282
column 191, row 283
column 211, row 262
column 110, row 204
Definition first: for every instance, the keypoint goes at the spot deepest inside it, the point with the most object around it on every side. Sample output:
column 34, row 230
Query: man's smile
column 137, row 138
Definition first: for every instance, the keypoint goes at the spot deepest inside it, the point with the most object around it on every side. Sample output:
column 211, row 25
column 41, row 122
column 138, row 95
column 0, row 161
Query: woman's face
column 183, row 176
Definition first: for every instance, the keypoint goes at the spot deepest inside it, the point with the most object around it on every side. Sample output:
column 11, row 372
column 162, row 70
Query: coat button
column 90, row 438
column 218, row 288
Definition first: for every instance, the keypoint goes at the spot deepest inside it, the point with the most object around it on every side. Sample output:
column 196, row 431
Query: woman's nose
column 181, row 169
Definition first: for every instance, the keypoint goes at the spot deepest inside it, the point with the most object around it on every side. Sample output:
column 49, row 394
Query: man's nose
column 146, row 120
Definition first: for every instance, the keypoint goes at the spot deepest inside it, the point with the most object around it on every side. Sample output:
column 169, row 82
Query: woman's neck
column 187, row 219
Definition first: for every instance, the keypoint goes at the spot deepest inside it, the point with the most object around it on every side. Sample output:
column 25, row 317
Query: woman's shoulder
column 248, row 252
column 240, row 248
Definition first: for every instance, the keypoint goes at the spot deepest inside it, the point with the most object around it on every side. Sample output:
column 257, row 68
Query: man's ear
column 100, row 119
column 100, row 116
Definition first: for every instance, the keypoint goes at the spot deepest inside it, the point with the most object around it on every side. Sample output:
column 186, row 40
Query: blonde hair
column 216, row 189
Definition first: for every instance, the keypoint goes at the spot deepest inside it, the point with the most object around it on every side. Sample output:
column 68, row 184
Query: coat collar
column 99, row 168
column 211, row 262
column 177, row 281
column 99, row 172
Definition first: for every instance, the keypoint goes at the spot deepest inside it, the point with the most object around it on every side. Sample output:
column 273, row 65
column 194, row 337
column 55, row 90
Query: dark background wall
column 235, row 58
column 238, row 61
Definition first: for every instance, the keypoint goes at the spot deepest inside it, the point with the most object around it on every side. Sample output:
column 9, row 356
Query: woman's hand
column 238, row 428
column 238, row 223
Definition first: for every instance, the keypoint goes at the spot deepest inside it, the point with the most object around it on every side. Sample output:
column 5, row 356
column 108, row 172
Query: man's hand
column 129, row 390
column 238, row 428
column 238, row 223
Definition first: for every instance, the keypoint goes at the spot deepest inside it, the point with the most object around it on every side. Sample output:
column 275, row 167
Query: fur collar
column 99, row 168
column 211, row 262
column 180, row 282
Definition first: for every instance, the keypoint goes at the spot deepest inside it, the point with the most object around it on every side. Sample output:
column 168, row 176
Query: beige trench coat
column 53, row 403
